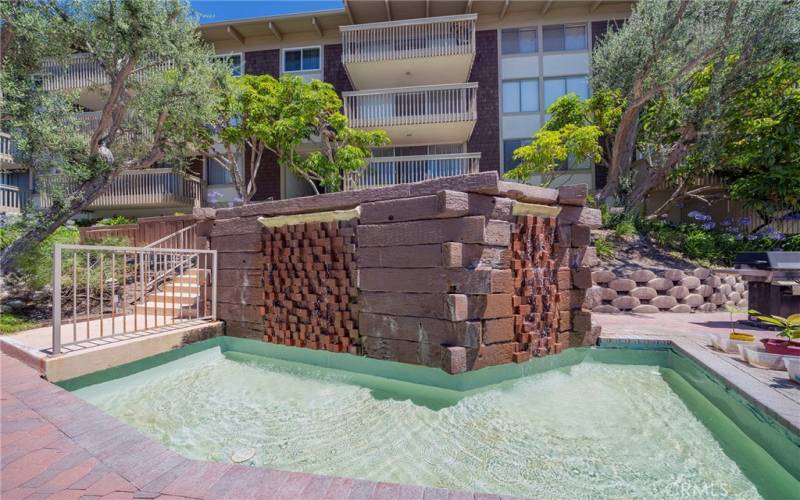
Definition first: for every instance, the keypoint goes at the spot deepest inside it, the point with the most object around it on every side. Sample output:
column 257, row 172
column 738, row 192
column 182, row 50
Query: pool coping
column 42, row 420
column 784, row 410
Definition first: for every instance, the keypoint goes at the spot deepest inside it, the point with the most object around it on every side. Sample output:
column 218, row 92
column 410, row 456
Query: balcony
column 427, row 51
column 83, row 71
column 387, row 171
column 415, row 115
column 12, row 199
column 151, row 188
column 7, row 150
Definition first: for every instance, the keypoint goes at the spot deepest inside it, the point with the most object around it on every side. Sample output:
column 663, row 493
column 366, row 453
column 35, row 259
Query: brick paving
column 55, row 445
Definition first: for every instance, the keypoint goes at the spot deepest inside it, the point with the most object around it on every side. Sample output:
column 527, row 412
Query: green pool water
column 613, row 423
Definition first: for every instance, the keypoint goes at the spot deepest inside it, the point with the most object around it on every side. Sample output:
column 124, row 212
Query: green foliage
column 36, row 266
column 789, row 326
column 279, row 115
column 625, row 228
column 604, row 248
column 10, row 323
column 117, row 220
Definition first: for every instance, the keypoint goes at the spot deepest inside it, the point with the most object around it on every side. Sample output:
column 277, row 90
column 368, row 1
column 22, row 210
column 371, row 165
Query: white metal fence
column 12, row 198
column 6, row 148
column 428, row 37
column 101, row 292
column 140, row 188
column 84, row 71
column 412, row 105
column 387, row 171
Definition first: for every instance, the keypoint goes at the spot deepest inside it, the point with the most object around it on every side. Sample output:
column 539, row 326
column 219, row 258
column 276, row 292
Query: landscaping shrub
column 118, row 220
column 604, row 248
column 36, row 267
column 10, row 323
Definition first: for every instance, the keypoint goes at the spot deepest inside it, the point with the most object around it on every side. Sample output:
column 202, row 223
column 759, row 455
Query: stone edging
column 643, row 291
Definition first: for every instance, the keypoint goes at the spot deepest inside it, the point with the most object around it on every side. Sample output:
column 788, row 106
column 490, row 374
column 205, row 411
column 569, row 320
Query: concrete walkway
column 771, row 390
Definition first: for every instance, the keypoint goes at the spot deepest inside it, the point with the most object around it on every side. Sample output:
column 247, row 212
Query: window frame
column 564, row 49
column 519, row 53
column 564, row 78
column 231, row 54
column 519, row 81
column 523, row 141
column 301, row 70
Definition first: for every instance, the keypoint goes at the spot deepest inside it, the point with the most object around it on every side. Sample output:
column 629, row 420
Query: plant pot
column 784, row 347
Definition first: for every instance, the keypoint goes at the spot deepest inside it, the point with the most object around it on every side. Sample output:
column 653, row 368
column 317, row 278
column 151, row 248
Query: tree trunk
column 55, row 217
column 621, row 151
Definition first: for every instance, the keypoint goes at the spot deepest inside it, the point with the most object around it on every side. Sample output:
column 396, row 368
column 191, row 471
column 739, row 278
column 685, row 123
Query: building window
column 521, row 96
column 562, row 37
column 556, row 87
column 509, row 146
column 234, row 61
column 520, row 41
column 216, row 173
column 301, row 59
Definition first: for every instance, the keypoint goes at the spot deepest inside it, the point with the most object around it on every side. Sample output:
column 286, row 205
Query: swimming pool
column 637, row 423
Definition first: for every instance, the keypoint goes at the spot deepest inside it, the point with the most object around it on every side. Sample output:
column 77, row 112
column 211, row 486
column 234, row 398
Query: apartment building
column 457, row 86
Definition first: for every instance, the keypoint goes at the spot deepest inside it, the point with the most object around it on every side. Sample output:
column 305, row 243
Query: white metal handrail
column 110, row 279
column 149, row 187
column 387, row 171
column 412, row 105
column 83, row 70
column 406, row 39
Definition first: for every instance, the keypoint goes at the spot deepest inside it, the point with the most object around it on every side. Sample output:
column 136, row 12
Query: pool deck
column 55, row 445
column 771, row 390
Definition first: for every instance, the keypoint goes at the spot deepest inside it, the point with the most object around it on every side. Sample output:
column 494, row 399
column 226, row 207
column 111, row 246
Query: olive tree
column 154, row 91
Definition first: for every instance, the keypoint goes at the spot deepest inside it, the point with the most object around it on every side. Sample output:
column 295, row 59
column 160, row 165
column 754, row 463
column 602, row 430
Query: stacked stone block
column 644, row 291
column 310, row 285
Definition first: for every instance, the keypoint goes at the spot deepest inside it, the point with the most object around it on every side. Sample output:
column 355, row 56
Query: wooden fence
column 145, row 231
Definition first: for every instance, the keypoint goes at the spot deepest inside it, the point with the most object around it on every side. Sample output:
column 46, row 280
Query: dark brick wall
column 268, row 180
column 486, row 136
column 334, row 72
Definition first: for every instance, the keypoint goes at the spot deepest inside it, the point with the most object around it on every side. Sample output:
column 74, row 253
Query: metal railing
column 109, row 291
column 84, row 71
column 387, row 171
column 428, row 37
column 12, row 198
column 412, row 105
column 139, row 188
column 7, row 148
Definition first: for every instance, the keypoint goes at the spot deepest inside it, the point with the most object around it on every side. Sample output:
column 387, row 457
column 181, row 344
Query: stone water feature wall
column 457, row 273
column 672, row 290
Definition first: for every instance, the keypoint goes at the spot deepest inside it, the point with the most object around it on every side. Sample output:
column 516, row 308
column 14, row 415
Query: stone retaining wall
column 457, row 273
column 673, row 290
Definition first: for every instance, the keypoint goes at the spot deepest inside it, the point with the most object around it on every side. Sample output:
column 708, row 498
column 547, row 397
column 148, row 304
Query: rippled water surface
column 590, row 430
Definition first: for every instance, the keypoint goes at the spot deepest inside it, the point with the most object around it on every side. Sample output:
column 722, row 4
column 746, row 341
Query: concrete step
column 162, row 309
column 170, row 298
column 181, row 288
column 187, row 280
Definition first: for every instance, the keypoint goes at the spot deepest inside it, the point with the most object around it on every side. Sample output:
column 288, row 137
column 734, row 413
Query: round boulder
column 660, row 284
column 605, row 308
column 642, row 275
column 645, row 309
column 690, row 282
column 742, row 303
column 678, row 292
column 625, row 302
column 622, row 284
column 594, row 297
column 717, row 299
column 739, row 287
column 704, row 290
column 664, row 302
column 674, row 274
column 643, row 292
column 713, row 281
column 745, row 294
column 707, row 307
column 701, row 273
column 731, row 280
column 725, row 289
column 681, row 308
column 734, row 297
column 603, row 276
column 694, row 300
column 608, row 294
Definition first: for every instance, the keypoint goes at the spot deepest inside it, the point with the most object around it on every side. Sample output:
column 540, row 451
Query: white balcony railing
column 12, row 199
column 154, row 187
column 428, row 37
column 387, row 171
column 81, row 72
column 7, row 148
column 411, row 105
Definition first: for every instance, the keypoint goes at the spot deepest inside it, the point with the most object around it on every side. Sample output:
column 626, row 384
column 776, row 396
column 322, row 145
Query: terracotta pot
column 784, row 347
